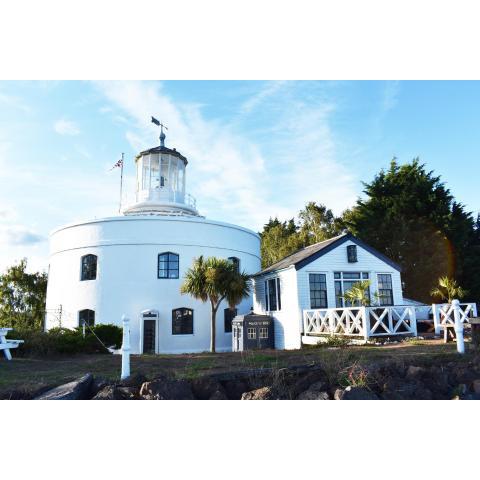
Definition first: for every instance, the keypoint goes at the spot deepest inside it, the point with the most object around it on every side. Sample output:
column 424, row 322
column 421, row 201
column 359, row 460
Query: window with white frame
column 168, row 263
column 273, row 299
column 228, row 315
column 86, row 317
column 344, row 281
column 385, row 289
column 88, row 267
column 182, row 321
column 263, row 332
column 251, row 333
column 318, row 290
column 235, row 262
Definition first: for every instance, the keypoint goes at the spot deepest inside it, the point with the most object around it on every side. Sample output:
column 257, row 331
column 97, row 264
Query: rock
column 338, row 395
column 204, row 387
column 218, row 395
column 235, row 389
column 264, row 393
column 398, row 389
column 313, row 395
column 414, row 372
column 98, row 383
column 110, row 392
column 76, row 390
column 305, row 382
column 166, row 389
column 358, row 393
column 476, row 386
column 422, row 393
column 135, row 380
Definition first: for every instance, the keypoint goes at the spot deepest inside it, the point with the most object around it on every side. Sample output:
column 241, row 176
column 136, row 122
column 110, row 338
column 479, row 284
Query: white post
column 413, row 320
column 125, row 348
column 365, row 320
column 436, row 319
column 458, row 326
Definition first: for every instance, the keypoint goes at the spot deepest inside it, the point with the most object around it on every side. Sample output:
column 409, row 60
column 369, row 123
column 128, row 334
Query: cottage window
column 352, row 253
column 272, row 294
column 385, row 290
column 89, row 267
column 263, row 333
column 86, row 317
column 182, row 321
column 251, row 333
column 228, row 315
column 236, row 263
column 168, row 265
column 318, row 290
column 344, row 281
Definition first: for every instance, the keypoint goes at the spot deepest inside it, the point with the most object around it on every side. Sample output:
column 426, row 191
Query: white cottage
column 303, row 292
column 134, row 263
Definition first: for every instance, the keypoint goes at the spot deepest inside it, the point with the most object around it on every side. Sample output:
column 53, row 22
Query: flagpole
column 121, row 186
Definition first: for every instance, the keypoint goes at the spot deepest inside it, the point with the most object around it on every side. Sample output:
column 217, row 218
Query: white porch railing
column 363, row 322
column 444, row 314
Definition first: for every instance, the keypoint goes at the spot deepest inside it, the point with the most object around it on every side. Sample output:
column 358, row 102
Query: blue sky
column 256, row 149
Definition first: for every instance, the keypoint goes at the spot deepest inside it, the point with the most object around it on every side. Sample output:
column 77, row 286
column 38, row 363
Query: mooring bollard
column 125, row 348
column 458, row 326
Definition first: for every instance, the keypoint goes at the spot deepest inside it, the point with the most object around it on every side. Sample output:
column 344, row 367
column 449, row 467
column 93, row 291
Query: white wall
column 336, row 261
column 127, row 283
column 286, row 326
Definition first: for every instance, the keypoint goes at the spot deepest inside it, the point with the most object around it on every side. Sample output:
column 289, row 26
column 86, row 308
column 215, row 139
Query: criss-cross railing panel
column 360, row 321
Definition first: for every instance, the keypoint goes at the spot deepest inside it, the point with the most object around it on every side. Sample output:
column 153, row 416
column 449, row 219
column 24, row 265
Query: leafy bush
column 57, row 341
column 109, row 334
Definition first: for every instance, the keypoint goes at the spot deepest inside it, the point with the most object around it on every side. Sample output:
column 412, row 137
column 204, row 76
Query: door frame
column 154, row 313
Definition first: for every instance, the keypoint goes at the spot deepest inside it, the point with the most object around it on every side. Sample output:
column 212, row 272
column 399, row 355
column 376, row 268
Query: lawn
column 26, row 375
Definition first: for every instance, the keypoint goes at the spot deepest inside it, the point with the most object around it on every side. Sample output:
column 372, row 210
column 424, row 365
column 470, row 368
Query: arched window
column 89, row 267
column 86, row 317
column 168, row 264
column 228, row 315
column 182, row 321
column 236, row 263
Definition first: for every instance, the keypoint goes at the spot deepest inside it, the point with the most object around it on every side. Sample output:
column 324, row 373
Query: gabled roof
column 308, row 254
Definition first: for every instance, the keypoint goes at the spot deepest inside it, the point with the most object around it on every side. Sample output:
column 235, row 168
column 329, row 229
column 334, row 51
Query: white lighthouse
column 134, row 263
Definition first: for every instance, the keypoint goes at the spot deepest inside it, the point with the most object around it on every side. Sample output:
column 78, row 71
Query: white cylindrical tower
column 134, row 264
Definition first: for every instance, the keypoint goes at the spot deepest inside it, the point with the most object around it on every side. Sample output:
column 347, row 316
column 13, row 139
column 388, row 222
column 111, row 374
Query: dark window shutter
column 352, row 253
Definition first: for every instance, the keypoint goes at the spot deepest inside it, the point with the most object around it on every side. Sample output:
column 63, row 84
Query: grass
column 28, row 375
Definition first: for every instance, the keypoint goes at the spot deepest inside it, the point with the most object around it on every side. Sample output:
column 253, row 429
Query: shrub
column 57, row 341
column 109, row 334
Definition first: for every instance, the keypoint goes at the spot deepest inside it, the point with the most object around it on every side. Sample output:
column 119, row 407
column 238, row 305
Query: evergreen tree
column 22, row 297
column 410, row 216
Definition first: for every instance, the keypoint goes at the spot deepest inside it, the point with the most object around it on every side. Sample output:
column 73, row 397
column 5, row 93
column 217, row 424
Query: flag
column 118, row 164
column 155, row 121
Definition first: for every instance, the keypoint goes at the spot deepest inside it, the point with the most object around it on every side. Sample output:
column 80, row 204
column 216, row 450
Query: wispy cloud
column 270, row 89
column 14, row 101
column 230, row 175
column 66, row 127
column 390, row 95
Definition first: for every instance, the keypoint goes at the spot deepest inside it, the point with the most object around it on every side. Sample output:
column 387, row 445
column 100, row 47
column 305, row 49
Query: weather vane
column 162, row 135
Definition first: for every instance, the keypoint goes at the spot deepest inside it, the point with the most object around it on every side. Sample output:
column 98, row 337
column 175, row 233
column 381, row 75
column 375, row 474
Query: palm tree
column 448, row 289
column 215, row 279
column 358, row 294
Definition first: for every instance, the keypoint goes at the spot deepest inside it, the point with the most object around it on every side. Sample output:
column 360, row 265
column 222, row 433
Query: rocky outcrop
column 167, row 389
column 77, row 390
column 377, row 380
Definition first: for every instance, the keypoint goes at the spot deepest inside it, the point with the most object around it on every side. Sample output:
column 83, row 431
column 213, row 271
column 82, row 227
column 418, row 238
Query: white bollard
column 125, row 348
column 436, row 319
column 458, row 326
